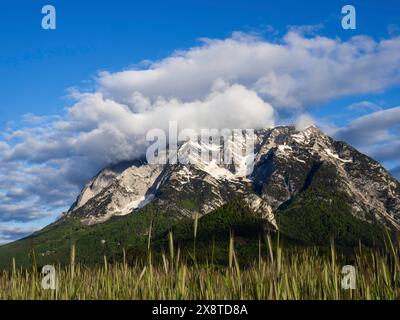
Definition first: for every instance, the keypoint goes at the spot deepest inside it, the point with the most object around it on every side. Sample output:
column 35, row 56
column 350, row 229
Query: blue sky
column 39, row 68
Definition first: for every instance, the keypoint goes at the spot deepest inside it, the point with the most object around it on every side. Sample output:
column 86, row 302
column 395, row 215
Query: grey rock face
column 285, row 160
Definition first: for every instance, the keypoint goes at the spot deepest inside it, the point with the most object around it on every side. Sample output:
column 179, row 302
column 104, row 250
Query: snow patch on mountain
column 284, row 157
column 335, row 156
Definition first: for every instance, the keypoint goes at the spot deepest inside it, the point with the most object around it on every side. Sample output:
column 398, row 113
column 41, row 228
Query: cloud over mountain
column 11, row 233
column 377, row 134
column 294, row 72
column 240, row 82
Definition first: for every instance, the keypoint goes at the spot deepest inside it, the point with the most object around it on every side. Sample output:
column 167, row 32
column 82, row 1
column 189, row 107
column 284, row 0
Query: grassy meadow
column 303, row 273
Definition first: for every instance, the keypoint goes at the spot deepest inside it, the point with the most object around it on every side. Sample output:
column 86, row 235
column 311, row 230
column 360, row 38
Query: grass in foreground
column 299, row 274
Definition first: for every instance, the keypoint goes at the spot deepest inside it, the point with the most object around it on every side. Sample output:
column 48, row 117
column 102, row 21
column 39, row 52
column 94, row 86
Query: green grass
column 188, row 204
column 301, row 274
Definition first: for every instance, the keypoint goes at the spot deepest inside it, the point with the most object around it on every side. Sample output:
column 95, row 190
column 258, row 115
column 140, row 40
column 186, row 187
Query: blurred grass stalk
column 302, row 273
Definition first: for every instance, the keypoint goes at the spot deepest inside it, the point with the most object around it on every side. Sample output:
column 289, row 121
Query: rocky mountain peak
column 286, row 162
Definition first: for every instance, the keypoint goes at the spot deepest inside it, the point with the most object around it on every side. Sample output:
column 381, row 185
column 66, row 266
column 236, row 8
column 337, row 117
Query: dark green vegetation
column 276, row 274
column 52, row 244
column 318, row 214
column 322, row 212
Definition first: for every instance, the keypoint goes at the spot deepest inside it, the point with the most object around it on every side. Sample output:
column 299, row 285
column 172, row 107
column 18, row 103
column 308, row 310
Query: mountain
column 302, row 183
column 286, row 163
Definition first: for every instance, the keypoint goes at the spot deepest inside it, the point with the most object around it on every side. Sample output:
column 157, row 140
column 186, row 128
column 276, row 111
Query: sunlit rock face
column 285, row 162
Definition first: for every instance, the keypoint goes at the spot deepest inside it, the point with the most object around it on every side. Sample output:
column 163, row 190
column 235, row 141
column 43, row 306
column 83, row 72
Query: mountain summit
column 288, row 165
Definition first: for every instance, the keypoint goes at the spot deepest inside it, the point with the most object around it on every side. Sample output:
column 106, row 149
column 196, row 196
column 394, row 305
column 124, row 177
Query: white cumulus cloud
column 240, row 82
